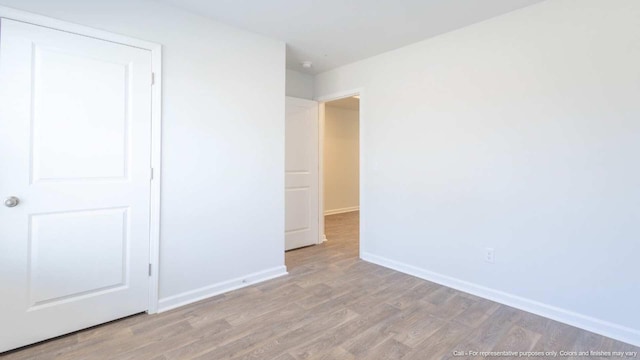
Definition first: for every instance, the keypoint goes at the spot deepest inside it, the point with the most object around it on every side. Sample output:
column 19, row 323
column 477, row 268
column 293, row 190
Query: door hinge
column 149, row 269
column 151, row 174
column 153, row 78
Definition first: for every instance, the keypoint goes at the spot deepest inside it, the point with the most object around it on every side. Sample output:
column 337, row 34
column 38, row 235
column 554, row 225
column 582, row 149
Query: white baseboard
column 202, row 293
column 605, row 328
column 340, row 211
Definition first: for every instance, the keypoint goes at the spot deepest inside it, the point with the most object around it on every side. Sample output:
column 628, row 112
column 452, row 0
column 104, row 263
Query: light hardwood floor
column 331, row 306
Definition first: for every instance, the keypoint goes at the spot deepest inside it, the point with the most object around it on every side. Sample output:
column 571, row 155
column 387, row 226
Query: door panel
column 299, row 199
column 301, row 173
column 99, row 116
column 56, row 274
column 75, row 118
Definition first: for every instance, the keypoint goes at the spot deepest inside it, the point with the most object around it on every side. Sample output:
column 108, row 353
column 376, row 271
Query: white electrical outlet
column 489, row 255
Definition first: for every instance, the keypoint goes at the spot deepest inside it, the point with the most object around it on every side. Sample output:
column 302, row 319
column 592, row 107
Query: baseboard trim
column 341, row 211
column 202, row 293
column 605, row 328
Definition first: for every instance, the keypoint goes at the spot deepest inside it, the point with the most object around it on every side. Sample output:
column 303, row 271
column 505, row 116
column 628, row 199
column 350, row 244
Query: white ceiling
column 331, row 33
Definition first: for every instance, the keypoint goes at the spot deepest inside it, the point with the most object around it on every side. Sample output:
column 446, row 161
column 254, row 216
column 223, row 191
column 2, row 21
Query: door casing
column 322, row 100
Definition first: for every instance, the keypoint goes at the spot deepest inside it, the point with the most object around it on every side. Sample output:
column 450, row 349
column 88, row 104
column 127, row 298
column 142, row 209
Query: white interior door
column 75, row 122
column 301, row 173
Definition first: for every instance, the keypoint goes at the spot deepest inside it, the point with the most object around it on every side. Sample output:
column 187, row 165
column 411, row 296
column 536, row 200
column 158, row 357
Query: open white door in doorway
column 75, row 119
column 301, row 173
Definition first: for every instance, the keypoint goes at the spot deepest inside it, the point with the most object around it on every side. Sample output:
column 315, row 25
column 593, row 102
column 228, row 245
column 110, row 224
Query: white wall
column 520, row 133
column 223, row 141
column 341, row 160
column 299, row 85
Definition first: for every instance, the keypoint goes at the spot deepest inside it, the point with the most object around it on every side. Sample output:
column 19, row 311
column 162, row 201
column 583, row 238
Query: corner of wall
column 299, row 85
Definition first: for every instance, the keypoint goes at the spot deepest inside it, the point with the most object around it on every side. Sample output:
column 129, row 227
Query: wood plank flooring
column 331, row 306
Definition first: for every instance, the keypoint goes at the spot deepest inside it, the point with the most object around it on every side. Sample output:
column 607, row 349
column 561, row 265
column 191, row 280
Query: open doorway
column 340, row 171
column 322, row 180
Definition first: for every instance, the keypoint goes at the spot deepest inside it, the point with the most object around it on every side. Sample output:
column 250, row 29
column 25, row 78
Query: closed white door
column 75, row 122
column 301, row 173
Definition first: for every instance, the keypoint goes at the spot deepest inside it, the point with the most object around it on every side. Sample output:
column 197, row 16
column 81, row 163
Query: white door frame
column 156, row 122
column 322, row 100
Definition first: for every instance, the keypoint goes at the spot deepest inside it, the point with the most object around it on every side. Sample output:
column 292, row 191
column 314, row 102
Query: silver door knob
column 11, row 201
